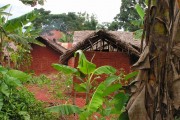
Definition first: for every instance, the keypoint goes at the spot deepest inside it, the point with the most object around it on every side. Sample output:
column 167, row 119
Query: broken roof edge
column 53, row 44
column 69, row 53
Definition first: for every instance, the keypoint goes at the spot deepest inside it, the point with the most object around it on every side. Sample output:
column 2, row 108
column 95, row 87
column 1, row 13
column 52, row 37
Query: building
column 44, row 56
column 115, row 48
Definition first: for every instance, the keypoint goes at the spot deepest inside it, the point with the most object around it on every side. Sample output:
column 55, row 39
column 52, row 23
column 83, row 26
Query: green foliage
column 16, row 103
column 114, row 26
column 105, row 70
column 32, row 2
column 65, row 69
column 19, row 22
column 128, row 13
column 2, row 9
column 131, row 75
column 139, row 23
column 15, row 33
column 105, row 94
column 123, row 116
column 84, row 65
column 65, row 109
column 65, row 22
column 140, row 11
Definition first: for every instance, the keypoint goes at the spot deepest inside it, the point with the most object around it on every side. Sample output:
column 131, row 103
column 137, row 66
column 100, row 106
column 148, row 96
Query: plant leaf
column 25, row 115
column 65, row 109
column 95, row 102
column 3, row 8
column 131, row 75
column 1, row 101
column 138, row 34
column 18, row 22
column 18, row 75
column 123, row 116
column 112, row 88
column 5, row 89
column 80, row 87
column 120, row 100
column 11, row 81
column 110, row 80
column 65, row 69
column 105, row 70
column 140, row 11
column 84, row 65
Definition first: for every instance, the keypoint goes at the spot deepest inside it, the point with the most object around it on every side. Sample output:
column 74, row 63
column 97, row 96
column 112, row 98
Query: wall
column 42, row 58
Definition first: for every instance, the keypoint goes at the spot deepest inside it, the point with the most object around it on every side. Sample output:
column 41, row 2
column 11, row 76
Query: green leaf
column 84, row 115
column 131, row 75
column 5, row 13
column 110, row 80
column 140, row 11
column 19, row 39
column 25, row 115
column 119, row 100
column 105, row 70
column 138, row 34
column 65, row 69
column 106, row 111
column 3, row 70
column 84, row 65
column 97, row 98
column 123, row 116
column 112, row 88
column 18, row 75
column 146, row 2
column 136, row 23
column 11, row 81
column 80, row 87
column 1, row 101
column 95, row 102
column 18, row 22
column 5, row 89
column 3, row 8
column 65, row 109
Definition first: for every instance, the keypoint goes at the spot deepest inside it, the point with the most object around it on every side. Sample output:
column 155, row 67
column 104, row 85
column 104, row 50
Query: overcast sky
column 105, row 10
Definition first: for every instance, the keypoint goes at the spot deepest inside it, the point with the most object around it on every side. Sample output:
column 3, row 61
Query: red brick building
column 114, row 48
column 44, row 56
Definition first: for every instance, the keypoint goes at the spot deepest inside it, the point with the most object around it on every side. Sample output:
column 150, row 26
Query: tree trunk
column 156, row 89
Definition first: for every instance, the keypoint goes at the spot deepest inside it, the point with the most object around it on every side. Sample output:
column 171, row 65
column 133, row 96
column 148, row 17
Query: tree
column 14, row 31
column 155, row 91
column 33, row 2
column 127, row 14
column 114, row 26
column 65, row 22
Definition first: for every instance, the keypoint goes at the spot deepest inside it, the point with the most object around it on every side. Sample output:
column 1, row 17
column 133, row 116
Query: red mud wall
column 115, row 59
column 42, row 58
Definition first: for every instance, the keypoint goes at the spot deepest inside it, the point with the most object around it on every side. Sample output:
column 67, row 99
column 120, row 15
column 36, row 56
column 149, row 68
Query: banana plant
column 104, row 93
column 14, row 31
column 88, row 70
column 139, row 23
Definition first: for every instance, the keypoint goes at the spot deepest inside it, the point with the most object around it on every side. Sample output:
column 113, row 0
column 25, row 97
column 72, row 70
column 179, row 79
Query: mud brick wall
column 42, row 59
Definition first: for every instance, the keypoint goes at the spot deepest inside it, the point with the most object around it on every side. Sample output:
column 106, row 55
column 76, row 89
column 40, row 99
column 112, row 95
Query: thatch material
column 52, row 44
column 85, row 39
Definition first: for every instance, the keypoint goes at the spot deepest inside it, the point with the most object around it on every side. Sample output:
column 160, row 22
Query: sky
column 105, row 10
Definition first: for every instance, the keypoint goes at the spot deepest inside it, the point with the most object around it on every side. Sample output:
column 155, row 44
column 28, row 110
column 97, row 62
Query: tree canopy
column 127, row 14
column 65, row 22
